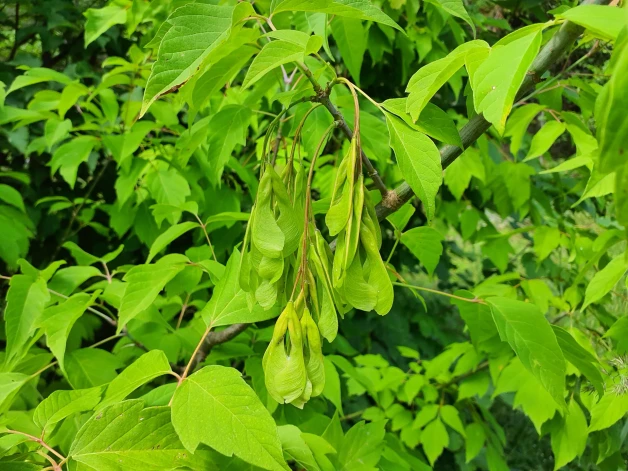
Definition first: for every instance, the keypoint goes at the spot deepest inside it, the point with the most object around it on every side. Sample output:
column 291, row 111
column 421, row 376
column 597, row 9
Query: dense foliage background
column 142, row 226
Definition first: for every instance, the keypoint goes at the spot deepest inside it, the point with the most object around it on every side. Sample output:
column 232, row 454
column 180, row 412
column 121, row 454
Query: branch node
column 391, row 200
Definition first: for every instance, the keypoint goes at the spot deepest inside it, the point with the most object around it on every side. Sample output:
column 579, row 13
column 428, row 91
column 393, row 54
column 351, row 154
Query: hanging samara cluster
column 286, row 261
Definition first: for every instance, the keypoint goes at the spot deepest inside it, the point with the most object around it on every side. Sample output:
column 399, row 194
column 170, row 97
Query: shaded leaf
column 605, row 279
column 425, row 243
column 531, row 337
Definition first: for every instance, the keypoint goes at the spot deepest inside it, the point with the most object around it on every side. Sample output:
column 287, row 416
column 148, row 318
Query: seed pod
column 314, row 353
column 266, row 234
column 341, row 199
column 322, row 297
column 377, row 275
column 285, row 373
column 314, row 363
column 356, row 290
column 272, row 237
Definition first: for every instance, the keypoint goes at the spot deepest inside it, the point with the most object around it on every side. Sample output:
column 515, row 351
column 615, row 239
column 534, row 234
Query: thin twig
column 322, row 97
column 77, row 210
column 216, row 338
column 37, row 440
column 211, row 247
column 53, row 464
column 103, row 316
column 183, row 308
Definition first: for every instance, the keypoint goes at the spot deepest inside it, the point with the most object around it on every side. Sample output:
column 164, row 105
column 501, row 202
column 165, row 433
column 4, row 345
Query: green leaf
column 621, row 195
column 533, row 398
column 144, row 283
column 168, row 187
column 229, row 127
column 57, row 322
column 570, row 164
column 56, row 131
column 611, row 408
column 475, row 385
column 619, row 332
column 425, row 243
column 477, row 316
column 458, row 174
column 603, row 21
column 432, row 121
column 457, row 9
column 605, row 280
column 497, row 80
column 332, row 390
column 80, row 255
column 546, row 239
column 476, row 437
column 351, row 38
column 122, row 146
column 516, row 177
column 419, row 161
column 187, row 37
column 228, row 304
column 149, row 366
column 220, row 74
column 100, row 20
column 227, row 218
column 170, row 234
column 67, row 158
column 26, row 299
column 10, row 384
column 358, row 9
column 62, row 404
column 272, row 55
column 518, row 123
column 11, row 196
column 531, row 337
column 434, row 440
column 412, row 387
column 89, row 367
column 580, row 358
column 451, row 417
column 543, row 140
column 216, row 407
column 569, row 436
column 362, row 447
column 611, row 122
column 127, row 436
column 295, row 448
column 38, row 75
column 402, row 216
column 431, row 77
column 310, row 44
column 21, row 466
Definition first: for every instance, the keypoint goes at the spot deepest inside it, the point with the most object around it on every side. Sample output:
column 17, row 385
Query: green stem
column 397, row 239
column 441, row 293
column 211, row 247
